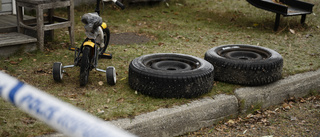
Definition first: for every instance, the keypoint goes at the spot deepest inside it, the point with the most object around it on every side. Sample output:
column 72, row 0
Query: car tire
column 245, row 64
column 170, row 75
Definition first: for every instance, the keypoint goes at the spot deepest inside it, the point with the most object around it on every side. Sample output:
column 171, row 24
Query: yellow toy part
column 104, row 25
column 106, row 54
column 89, row 43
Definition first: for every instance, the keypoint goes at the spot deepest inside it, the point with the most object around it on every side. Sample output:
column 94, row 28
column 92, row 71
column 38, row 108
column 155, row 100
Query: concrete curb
column 207, row 111
column 298, row 85
column 181, row 119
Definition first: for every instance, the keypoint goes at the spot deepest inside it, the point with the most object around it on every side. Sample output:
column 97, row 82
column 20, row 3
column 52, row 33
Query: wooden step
column 14, row 38
column 12, row 42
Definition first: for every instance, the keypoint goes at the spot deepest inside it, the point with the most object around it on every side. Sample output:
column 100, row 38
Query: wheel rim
column 111, row 75
column 60, row 71
column 114, row 78
column 244, row 54
column 114, row 75
column 172, row 65
column 57, row 71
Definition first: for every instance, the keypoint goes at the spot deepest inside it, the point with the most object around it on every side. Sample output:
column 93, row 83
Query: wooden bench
column 285, row 8
column 50, row 22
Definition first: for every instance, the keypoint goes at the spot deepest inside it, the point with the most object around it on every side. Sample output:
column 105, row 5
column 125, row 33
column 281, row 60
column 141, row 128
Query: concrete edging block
column 181, row 119
column 298, row 85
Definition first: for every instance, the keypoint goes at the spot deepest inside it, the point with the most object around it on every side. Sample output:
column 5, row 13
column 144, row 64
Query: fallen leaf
column 231, row 121
column 302, row 100
column 100, row 111
column 72, row 95
column 27, row 120
column 292, row 31
column 292, row 118
column 264, row 120
column 13, row 62
column 286, row 106
column 160, row 44
column 114, row 90
column 123, row 78
column 292, row 99
column 120, row 100
column 309, row 35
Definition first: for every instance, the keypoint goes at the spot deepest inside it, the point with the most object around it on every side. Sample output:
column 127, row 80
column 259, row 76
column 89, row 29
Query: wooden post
column 71, row 19
column 303, row 19
column 40, row 30
column 276, row 25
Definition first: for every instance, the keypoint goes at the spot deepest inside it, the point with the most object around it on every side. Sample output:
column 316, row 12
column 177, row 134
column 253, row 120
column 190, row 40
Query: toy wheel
column 106, row 33
column 111, row 75
column 57, row 71
column 245, row 64
column 169, row 75
column 85, row 66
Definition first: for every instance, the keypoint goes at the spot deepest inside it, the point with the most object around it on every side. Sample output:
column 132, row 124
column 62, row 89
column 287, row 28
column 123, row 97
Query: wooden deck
column 8, row 23
column 15, row 38
column 10, row 40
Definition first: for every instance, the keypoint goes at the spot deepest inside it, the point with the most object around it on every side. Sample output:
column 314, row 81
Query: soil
column 295, row 117
column 128, row 38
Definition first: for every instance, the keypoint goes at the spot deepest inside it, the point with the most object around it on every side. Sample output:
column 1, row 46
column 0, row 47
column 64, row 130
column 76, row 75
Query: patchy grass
column 178, row 26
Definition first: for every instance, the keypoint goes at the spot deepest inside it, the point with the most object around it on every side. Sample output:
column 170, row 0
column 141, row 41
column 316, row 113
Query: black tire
column 85, row 65
column 245, row 64
column 106, row 37
column 111, row 75
column 57, row 71
column 168, row 75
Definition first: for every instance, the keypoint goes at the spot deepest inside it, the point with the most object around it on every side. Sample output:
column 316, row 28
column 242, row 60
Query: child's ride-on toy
column 92, row 48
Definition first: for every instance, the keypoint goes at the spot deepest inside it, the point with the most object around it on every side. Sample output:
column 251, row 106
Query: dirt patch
column 128, row 38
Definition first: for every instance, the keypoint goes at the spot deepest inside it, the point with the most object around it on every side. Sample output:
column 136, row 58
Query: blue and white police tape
column 61, row 116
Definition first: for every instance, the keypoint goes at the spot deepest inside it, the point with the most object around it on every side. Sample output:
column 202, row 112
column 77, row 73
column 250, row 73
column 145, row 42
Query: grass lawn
column 177, row 26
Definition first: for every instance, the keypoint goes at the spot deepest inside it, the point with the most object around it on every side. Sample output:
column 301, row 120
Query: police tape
column 61, row 116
